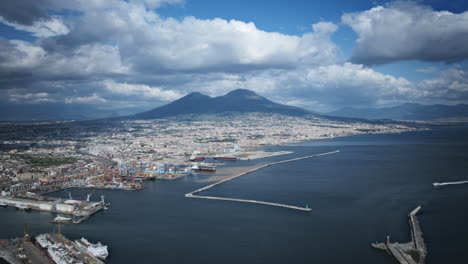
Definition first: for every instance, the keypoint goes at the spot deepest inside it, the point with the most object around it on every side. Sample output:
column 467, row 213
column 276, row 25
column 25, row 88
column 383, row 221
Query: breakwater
column 413, row 252
column 307, row 209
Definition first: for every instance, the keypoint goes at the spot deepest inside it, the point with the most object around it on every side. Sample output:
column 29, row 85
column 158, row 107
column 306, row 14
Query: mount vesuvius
column 240, row 101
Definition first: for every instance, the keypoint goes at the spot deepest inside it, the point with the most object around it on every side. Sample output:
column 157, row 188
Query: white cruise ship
column 97, row 250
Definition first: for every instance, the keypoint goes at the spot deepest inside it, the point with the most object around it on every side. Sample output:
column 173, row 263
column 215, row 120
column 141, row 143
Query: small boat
column 23, row 207
column 62, row 219
column 3, row 205
column 98, row 250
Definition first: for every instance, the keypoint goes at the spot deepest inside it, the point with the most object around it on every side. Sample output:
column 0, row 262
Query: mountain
column 407, row 112
column 240, row 100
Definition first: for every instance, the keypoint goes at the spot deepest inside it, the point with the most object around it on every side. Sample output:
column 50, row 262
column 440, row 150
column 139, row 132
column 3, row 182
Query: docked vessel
column 203, row 168
column 3, row 205
column 62, row 219
column 58, row 253
column 225, row 158
column 199, row 158
column 23, row 207
column 43, row 241
column 139, row 177
column 97, row 250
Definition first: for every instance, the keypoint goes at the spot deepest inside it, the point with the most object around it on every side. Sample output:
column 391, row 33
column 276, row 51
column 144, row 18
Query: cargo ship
column 225, row 158
column 203, row 168
column 199, row 158
column 139, row 177
column 171, row 170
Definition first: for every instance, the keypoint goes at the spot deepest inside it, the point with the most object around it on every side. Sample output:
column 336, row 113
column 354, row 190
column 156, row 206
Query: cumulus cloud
column 41, row 28
column 28, row 12
column 337, row 85
column 121, row 54
column 93, row 99
column 32, row 98
column 408, row 31
column 21, row 58
column 140, row 90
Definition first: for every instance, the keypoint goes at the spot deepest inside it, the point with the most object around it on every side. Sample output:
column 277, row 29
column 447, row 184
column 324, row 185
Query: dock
column 413, row 252
column 306, row 209
column 79, row 211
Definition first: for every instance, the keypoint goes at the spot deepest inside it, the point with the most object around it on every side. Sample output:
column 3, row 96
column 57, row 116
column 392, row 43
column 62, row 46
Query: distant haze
column 407, row 112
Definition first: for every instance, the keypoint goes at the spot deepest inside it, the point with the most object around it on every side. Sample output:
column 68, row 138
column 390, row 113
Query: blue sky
column 127, row 56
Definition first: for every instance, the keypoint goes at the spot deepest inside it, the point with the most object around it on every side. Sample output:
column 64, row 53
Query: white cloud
column 140, row 90
column 408, row 31
column 17, row 54
column 93, row 99
column 92, row 59
column 30, row 98
column 151, row 43
column 41, row 28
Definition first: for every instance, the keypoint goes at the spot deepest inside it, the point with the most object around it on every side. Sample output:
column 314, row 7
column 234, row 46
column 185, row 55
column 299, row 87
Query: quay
column 307, row 209
column 78, row 210
column 413, row 252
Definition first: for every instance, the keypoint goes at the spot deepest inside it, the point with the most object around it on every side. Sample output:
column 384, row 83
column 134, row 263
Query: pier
column 78, row 210
column 306, row 209
column 413, row 252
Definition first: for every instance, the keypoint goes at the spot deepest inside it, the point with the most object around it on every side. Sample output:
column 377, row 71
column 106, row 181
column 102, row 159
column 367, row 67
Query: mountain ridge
column 239, row 100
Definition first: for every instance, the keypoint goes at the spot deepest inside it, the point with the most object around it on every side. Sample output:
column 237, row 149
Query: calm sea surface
column 358, row 196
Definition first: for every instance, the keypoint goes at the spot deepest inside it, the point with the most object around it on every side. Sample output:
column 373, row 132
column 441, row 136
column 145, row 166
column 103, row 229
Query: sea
column 358, row 196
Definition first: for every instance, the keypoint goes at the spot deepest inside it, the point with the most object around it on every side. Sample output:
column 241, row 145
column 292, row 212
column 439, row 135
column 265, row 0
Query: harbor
column 306, row 208
column 413, row 252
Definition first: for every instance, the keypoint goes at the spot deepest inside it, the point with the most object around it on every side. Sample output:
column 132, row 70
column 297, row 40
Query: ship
column 62, row 219
column 199, row 158
column 3, row 205
column 97, row 250
column 225, row 158
column 203, row 168
column 139, row 177
column 23, row 207
column 58, row 253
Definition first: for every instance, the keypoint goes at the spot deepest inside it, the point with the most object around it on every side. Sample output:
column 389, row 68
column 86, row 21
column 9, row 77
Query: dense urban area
column 43, row 157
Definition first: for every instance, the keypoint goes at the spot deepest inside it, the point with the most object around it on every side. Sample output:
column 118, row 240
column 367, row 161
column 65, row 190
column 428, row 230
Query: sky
column 119, row 57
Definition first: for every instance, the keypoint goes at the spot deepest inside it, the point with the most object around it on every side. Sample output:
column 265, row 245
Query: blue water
column 358, row 196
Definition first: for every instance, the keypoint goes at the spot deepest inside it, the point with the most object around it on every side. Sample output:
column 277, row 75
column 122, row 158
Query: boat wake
column 436, row 184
